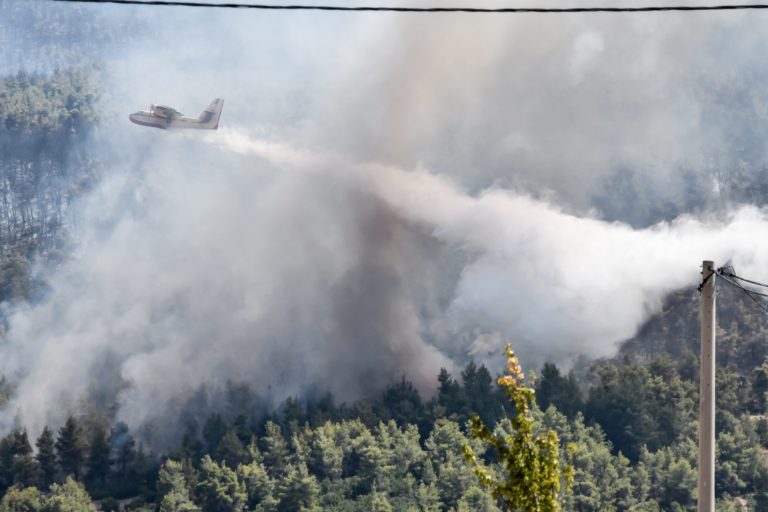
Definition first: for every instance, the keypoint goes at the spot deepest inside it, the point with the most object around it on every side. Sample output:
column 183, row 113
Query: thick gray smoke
column 387, row 195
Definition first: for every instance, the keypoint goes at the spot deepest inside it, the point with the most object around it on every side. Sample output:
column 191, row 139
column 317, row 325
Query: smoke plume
column 386, row 196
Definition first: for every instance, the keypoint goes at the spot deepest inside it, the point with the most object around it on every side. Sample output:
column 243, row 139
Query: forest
column 631, row 419
column 633, row 432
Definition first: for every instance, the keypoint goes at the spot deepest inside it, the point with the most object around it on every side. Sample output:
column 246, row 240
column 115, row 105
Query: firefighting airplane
column 161, row 116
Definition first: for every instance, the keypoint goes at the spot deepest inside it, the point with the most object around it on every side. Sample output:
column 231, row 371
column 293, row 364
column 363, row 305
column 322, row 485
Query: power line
column 734, row 276
column 500, row 10
column 750, row 293
column 734, row 283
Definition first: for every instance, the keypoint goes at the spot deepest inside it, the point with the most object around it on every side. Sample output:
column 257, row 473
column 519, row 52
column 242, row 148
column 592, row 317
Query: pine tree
column 298, row 491
column 230, row 450
column 219, row 489
column 274, row 450
column 326, row 456
column 403, row 402
column 15, row 449
column 25, row 470
column 20, row 441
column 479, row 392
column 23, row 467
column 191, row 447
column 562, row 392
column 454, row 476
column 243, row 432
column 71, row 448
column 46, row 457
column 449, row 394
column 213, row 431
column 172, row 487
column 141, row 466
column 293, row 414
column 259, row 486
column 123, row 446
column 99, row 461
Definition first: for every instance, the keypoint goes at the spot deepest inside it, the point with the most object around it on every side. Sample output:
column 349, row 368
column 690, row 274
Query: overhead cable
column 734, row 276
column 362, row 8
column 750, row 293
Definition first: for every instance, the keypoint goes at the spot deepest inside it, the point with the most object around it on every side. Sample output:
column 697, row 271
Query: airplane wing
column 166, row 112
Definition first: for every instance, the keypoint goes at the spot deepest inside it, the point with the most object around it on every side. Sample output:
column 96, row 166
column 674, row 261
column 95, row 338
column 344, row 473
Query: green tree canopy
column 69, row 496
column 172, row 488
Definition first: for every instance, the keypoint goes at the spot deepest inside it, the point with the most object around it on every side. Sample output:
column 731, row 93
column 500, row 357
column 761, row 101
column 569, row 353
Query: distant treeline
column 634, row 431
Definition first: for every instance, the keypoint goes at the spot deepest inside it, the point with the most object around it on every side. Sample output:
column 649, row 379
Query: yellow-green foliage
column 21, row 500
column 69, row 496
column 531, row 463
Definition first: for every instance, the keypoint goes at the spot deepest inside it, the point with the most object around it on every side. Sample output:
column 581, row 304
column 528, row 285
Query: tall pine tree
column 46, row 457
column 71, row 448
column 98, row 460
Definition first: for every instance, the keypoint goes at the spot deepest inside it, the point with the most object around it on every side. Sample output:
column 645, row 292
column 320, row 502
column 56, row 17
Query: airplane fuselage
column 162, row 116
column 145, row 118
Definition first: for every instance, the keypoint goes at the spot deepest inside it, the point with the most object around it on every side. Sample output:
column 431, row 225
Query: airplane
column 161, row 116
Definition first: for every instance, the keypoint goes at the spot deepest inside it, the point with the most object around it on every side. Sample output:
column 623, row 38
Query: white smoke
column 238, row 283
column 557, row 283
column 405, row 192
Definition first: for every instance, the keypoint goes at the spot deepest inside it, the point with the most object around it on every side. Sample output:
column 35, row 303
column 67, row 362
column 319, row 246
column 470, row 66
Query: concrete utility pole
column 707, row 390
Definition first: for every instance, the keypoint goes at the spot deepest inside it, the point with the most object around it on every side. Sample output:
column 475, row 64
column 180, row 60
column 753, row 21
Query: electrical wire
column 361, row 8
column 734, row 283
column 734, row 276
column 750, row 293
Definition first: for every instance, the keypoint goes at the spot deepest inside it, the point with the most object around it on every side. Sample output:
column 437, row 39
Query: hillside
column 742, row 336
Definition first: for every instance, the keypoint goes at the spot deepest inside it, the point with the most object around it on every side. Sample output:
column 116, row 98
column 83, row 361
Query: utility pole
column 707, row 390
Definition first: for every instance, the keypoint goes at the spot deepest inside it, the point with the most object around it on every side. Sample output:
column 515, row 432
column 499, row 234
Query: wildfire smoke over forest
column 387, row 196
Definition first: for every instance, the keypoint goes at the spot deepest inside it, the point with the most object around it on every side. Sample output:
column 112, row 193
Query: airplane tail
column 210, row 116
